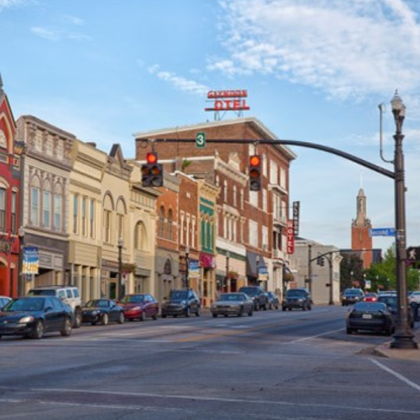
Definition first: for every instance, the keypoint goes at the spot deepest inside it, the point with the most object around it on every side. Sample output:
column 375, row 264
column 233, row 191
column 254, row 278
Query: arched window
column 58, row 208
column 108, row 208
column 35, row 201
column 170, row 220
column 140, row 237
column 121, row 212
column 46, row 205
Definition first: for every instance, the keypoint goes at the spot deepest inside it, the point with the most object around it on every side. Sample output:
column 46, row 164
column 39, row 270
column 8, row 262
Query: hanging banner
column 193, row 269
column 30, row 263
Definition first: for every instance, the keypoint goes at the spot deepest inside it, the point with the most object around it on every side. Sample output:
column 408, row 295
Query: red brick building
column 251, row 226
column 10, row 175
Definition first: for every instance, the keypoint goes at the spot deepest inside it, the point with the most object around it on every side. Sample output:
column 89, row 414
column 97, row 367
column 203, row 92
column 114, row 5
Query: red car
column 371, row 297
column 139, row 306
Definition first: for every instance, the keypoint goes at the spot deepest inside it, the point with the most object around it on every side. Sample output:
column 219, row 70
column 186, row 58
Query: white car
column 414, row 297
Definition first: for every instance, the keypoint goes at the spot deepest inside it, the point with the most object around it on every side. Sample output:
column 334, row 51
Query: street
column 273, row 365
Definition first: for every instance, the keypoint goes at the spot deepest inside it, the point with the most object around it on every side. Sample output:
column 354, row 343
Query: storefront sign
column 290, row 238
column 30, row 263
column 296, row 207
column 207, row 260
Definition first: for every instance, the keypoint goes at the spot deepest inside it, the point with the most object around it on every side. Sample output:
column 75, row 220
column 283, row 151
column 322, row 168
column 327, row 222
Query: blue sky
column 315, row 70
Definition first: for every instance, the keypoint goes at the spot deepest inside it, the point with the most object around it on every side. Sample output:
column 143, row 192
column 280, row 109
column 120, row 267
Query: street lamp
column 119, row 288
column 227, row 271
column 21, row 284
column 402, row 338
column 187, row 263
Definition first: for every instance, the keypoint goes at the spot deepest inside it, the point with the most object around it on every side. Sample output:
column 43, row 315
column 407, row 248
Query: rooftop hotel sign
column 228, row 100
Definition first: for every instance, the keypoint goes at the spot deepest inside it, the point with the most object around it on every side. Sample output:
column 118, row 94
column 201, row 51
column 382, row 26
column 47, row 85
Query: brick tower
column 360, row 238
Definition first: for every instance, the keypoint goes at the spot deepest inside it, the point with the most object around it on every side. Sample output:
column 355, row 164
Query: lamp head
column 21, row 232
column 120, row 242
column 398, row 107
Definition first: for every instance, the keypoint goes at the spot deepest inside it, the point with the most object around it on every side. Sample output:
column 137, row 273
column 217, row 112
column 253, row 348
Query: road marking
column 313, row 336
column 351, row 407
column 396, row 374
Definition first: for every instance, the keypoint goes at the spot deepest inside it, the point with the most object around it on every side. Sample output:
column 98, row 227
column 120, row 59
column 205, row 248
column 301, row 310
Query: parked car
column 102, row 311
column 257, row 294
column 139, row 306
column 351, row 296
column 273, row 300
column 36, row 316
column 181, row 302
column 414, row 296
column 68, row 294
column 371, row 316
column 3, row 301
column 370, row 297
column 391, row 300
column 297, row 298
column 232, row 304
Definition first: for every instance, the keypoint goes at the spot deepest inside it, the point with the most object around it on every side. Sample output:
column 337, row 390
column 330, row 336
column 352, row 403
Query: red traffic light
column 255, row 160
column 151, row 157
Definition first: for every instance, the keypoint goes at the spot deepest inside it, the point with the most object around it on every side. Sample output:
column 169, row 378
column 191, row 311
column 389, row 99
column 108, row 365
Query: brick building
column 251, row 226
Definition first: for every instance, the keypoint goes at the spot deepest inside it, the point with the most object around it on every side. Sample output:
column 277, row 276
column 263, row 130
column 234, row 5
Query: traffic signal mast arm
column 326, row 254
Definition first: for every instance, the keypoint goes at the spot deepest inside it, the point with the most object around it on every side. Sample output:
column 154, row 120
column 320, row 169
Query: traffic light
column 255, row 173
column 320, row 261
column 152, row 171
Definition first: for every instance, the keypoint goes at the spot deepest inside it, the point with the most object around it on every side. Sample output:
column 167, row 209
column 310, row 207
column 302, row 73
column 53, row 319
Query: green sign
column 200, row 140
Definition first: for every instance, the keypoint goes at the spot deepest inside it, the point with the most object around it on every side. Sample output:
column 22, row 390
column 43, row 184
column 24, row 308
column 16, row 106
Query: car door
column 51, row 319
column 114, row 311
column 61, row 313
column 154, row 306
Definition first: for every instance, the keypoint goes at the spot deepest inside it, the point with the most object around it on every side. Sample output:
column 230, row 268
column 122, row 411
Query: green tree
column 351, row 271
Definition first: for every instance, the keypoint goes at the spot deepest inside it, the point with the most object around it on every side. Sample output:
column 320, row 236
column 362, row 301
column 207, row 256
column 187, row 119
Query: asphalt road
column 274, row 365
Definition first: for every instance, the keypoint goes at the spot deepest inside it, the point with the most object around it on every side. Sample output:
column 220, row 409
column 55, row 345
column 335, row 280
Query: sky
column 315, row 71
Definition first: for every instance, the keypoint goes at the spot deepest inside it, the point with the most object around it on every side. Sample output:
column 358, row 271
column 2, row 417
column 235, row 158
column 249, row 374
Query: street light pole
column 310, row 268
column 119, row 288
column 227, row 272
column 257, row 259
column 402, row 338
column 21, row 283
column 187, row 268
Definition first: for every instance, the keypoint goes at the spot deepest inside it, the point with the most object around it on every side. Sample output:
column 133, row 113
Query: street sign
column 413, row 254
column 382, row 232
column 200, row 140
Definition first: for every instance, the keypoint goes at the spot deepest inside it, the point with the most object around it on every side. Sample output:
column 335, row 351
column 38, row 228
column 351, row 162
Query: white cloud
column 6, row 4
column 178, row 82
column 347, row 49
column 46, row 33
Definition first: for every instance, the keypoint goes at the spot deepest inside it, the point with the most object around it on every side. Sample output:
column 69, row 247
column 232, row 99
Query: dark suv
column 181, row 302
column 391, row 300
column 257, row 294
column 297, row 298
column 351, row 296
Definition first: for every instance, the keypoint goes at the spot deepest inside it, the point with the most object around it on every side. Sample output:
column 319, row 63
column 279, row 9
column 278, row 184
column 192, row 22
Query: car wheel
column 38, row 331
column 349, row 330
column 121, row 318
column 163, row 316
column 154, row 317
column 131, row 319
column 251, row 312
column 93, row 323
column 214, row 315
column 66, row 331
column 283, row 308
column 105, row 319
column 198, row 312
column 143, row 316
column 77, row 319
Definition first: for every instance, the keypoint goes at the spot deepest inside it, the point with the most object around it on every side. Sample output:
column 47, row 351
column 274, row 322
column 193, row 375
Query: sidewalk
column 384, row 350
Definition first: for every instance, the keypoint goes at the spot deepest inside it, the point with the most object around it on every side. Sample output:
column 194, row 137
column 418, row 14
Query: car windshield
column 178, row 295
column 28, row 304
column 231, row 297
column 388, row 300
column 97, row 303
column 370, row 307
column 40, row 292
column 250, row 291
column 294, row 293
column 352, row 292
column 133, row 299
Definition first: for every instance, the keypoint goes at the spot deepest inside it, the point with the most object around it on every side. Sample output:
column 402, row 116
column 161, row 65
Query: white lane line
column 396, row 374
column 313, row 336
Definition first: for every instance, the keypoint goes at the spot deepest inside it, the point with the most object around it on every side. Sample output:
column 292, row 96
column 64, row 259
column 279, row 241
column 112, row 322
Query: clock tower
column 361, row 241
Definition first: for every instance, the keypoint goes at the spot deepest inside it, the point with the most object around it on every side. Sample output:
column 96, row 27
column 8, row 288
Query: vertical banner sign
column 290, row 238
column 193, row 269
column 296, row 207
column 30, row 263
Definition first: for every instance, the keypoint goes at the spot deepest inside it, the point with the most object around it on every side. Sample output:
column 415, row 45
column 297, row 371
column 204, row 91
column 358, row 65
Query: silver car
column 232, row 304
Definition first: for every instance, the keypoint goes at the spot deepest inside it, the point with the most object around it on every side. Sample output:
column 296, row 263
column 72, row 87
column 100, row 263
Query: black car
column 297, row 298
column 257, row 294
column 102, row 311
column 371, row 316
column 391, row 300
column 181, row 302
column 35, row 316
column 351, row 296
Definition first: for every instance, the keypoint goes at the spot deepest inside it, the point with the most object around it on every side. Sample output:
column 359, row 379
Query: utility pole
column 310, row 268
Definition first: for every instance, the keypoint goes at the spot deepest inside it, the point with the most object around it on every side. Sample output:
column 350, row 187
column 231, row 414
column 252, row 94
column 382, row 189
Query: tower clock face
column 3, row 139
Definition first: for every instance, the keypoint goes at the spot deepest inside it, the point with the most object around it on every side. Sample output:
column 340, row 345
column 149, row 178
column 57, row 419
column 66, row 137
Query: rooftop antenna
column 381, row 107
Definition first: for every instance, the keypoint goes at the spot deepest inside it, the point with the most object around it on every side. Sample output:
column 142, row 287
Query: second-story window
column 14, row 212
column 75, row 212
column 58, row 206
column 170, row 220
column 92, row 218
column 35, row 206
column 46, row 209
column 84, row 216
column 107, row 226
column 2, row 209
column 234, row 196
